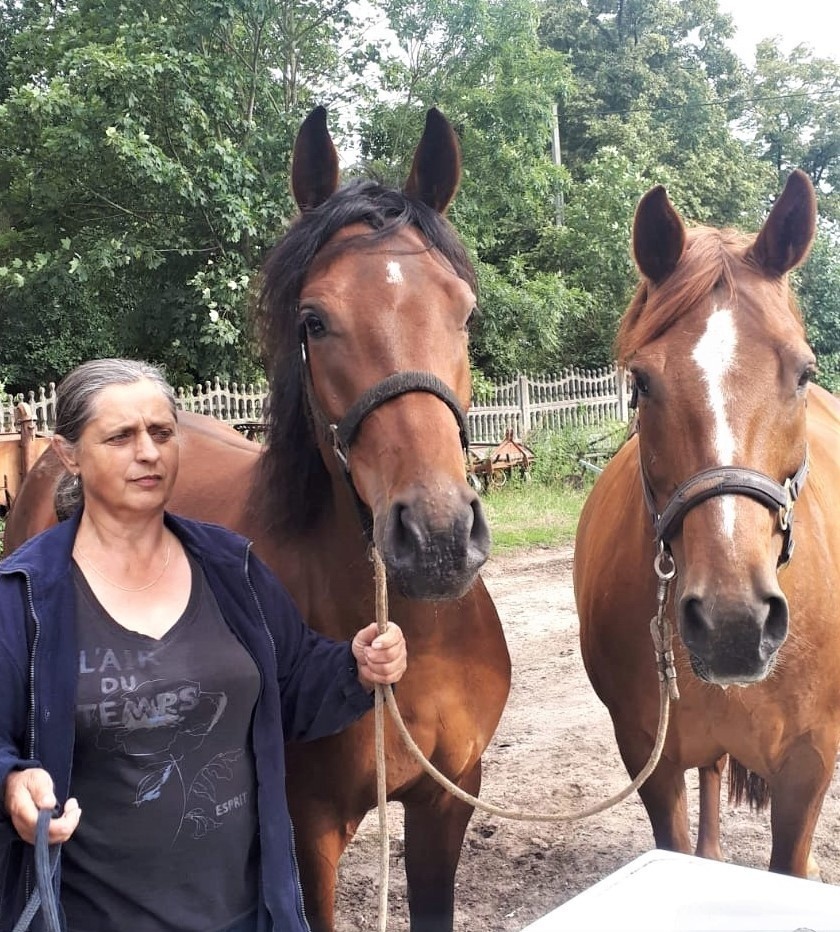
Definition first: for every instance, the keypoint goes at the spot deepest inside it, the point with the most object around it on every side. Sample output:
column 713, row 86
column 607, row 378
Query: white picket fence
column 576, row 397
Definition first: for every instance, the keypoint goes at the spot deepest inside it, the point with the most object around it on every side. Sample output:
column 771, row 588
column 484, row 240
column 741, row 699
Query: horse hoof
column 813, row 869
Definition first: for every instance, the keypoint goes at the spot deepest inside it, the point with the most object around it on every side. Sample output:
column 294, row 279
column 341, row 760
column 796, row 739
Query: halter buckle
column 338, row 448
column 786, row 511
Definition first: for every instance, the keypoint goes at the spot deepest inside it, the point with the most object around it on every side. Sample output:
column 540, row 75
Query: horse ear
column 784, row 240
column 658, row 235
column 436, row 170
column 314, row 162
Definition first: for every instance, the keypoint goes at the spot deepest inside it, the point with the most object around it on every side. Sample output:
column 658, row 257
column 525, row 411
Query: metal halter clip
column 660, row 627
column 663, row 564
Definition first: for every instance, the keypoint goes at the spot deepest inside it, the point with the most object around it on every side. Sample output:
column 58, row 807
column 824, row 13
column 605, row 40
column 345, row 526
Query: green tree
column 144, row 151
column 818, row 289
column 794, row 114
column 655, row 94
column 483, row 64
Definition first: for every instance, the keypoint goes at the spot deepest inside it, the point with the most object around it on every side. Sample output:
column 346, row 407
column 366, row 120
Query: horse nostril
column 479, row 530
column 695, row 624
column 406, row 534
column 776, row 625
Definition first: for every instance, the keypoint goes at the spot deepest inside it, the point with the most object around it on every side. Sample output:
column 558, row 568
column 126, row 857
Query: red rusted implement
column 18, row 452
column 491, row 465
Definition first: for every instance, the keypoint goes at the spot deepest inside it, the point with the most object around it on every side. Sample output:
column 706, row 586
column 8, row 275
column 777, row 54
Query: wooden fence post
column 525, row 405
column 621, row 391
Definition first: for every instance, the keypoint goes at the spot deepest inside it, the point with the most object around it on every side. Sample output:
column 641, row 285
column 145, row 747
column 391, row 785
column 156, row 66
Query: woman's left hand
column 381, row 658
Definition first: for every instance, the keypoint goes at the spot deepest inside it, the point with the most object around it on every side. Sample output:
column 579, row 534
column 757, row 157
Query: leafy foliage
column 796, row 118
column 143, row 159
column 558, row 453
column 819, row 297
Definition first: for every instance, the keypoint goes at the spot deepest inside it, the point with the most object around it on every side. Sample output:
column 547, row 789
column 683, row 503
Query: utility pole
column 559, row 204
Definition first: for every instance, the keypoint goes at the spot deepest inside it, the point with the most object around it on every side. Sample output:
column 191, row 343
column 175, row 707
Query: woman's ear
column 66, row 452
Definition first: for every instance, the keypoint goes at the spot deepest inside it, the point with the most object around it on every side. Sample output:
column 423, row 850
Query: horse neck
column 326, row 565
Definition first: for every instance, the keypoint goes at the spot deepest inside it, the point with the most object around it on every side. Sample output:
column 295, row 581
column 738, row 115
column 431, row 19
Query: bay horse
column 364, row 314
column 732, row 441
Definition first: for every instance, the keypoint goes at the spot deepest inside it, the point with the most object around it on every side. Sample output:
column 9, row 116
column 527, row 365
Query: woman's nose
column 146, row 447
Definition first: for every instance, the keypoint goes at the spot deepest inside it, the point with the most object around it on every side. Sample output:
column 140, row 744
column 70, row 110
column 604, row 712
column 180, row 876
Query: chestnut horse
column 364, row 313
column 732, row 441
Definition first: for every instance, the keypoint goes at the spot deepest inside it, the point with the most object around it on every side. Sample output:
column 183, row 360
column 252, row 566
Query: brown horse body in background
column 725, row 417
column 370, row 287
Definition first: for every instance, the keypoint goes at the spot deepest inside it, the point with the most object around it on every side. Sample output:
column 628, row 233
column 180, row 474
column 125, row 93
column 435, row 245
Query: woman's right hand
column 29, row 791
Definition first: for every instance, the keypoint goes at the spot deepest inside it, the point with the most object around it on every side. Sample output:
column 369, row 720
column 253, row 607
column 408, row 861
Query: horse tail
column 744, row 785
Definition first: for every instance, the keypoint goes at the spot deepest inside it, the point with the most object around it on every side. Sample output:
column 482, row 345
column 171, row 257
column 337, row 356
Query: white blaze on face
column 393, row 273
column 715, row 355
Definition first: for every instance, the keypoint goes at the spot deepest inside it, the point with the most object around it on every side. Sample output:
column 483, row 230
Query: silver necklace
column 111, row 582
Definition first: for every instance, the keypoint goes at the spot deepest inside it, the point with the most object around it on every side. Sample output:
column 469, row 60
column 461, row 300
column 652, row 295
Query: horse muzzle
column 733, row 641
column 432, row 552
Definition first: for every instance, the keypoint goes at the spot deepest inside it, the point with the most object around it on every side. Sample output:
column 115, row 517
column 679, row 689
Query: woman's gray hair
column 75, row 405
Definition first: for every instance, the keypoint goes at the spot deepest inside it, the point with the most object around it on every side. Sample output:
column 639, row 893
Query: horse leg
column 663, row 793
column 434, row 834
column 708, row 830
column 797, row 793
column 320, row 842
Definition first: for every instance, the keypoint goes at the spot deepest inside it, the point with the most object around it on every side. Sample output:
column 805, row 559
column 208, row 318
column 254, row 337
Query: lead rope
column 379, row 711
column 43, row 897
column 662, row 635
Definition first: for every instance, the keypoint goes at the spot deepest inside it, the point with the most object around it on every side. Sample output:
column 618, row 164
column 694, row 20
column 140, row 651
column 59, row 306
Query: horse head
column 718, row 354
column 365, row 309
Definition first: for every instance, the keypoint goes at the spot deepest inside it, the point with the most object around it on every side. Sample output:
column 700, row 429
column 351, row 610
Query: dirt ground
column 554, row 749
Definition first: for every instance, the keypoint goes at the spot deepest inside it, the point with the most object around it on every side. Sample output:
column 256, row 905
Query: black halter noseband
column 345, row 431
column 727, row 480
column 400, row 383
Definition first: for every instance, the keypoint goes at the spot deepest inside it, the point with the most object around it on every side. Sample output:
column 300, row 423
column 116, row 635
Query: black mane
column 295, row 487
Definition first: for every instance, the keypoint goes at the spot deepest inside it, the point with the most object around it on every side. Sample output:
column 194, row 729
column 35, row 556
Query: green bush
column 558, row 453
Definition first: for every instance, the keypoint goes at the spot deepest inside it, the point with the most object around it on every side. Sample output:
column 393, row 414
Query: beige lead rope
column 379, row 712
column 661, row 632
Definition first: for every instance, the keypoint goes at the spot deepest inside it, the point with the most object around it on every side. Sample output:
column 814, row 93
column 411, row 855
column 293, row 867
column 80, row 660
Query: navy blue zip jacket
column 309, row 690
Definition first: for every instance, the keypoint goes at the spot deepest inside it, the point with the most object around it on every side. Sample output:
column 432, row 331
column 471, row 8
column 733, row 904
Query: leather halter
column 344, row 432
column 727, row 480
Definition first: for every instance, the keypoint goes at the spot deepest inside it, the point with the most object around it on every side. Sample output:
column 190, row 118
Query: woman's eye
column 313, row 325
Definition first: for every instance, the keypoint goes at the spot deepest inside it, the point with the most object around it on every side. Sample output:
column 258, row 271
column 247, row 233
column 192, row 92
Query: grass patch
column 530, row 514
column 544, row 511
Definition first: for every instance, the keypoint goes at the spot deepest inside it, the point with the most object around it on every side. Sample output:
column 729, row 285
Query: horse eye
column 313, row 325
column 470, row 319
column 807, row 374
column 640, row 384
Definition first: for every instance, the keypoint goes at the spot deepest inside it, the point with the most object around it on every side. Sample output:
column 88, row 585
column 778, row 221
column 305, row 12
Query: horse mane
column 295, row 483
column 710, row 261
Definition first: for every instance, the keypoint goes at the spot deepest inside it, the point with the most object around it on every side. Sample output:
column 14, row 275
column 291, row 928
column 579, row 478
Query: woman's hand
column 29, row 791
column 381, row 658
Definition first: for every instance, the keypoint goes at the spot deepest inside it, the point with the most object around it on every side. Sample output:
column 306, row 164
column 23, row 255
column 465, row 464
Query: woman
column 151, row 669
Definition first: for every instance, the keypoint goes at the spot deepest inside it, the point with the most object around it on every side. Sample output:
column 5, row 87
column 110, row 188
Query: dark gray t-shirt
column 164, row 774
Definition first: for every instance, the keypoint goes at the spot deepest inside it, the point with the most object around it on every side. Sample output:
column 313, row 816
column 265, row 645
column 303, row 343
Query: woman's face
column 127, row 456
